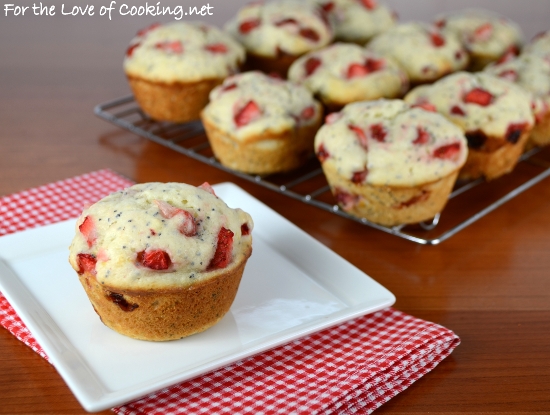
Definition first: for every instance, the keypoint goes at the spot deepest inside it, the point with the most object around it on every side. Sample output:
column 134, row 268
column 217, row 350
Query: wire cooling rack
column 469, row 201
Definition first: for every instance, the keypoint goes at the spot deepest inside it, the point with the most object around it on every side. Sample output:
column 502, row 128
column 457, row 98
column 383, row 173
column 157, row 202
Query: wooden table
column 489, row 283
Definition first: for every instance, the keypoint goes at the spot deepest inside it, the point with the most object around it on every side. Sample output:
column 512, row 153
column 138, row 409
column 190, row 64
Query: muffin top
column 284, row 26
column 344, row 72
column 422, row 50
column 478, row 103
column 358, row 21
column 160, row 235
column 532, row 72
column 389, row 143
column 184, row 52
column 539, row 45
column 482, row 32
column 253, row 104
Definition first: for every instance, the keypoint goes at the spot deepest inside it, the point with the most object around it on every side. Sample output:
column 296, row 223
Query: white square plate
column 292, row 286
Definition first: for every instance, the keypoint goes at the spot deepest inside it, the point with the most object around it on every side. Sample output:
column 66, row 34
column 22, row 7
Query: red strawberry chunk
column 375, row 64
column 346, row 200
column 248, row 25
column 131, row 48
column 361, row 136
column 206, row 186
column 216, row 48
column 514, row 131
column 509, row 75
column 307, row 113
column 245, row 230
column 86, row 263
column 156, row 259
column 187, row 227
column 510, row 53
column 286, row 21
column 378, row 132
column 425, row 105
column 170, row 46
column 356, row 70
column 224, row 250
column 423, row 136
column 229, row 87
column 311, row 65
column 333, row 117
column 456, row 110
column 247, row 114
column 483, row 32
column 143, row 32
column 478, row 96
column 440, row 24
column 322, row 153
column 328, row 6
column 437, row 39
column 369, row 4
column 310, row 34
column 413, row 200
column 87, row 229
column 447, row 152
column 359, row 176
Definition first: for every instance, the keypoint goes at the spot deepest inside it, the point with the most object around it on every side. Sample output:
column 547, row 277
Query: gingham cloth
column 352, row 368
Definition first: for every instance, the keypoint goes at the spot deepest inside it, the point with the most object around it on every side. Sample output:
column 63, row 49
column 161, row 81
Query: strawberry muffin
column 358, row 21
column 274, row 34
column 261, row 124
column 172, row 68
column 487, row 37
column 344, row 72
column 422, row 50
column 495, row 115
column 532, row 72
column 388, row 162
column 161, row 261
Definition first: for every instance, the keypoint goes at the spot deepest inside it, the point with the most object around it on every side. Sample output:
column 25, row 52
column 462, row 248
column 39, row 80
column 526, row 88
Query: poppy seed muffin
column 161, row 261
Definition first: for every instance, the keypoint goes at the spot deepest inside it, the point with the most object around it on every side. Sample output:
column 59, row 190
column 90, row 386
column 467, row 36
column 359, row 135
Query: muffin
column 260, row 124
column 487, row 37
column 172, row 68
column 161, row 261
column 388, row 162
column 422, row 50
column 274, row 34
column 539, row 45
column 358, row 21
column 495, row 115
column 532, row 72
column 344, row 72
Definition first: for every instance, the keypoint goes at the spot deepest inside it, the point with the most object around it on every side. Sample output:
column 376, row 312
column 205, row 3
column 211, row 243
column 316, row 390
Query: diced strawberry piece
column 131, row 48
column 456, row 110
column 346, row 200
column 369, row 4
column 187, row 227
column 156, row 259
column 509, row 75
column 423, row 136
column 378, row 132
column 86, row 263
column 514, row 131
column 307, row 113
column 356, row 70
column 322, row 153
column 425, row 105
column 170, row 46
column 447, row 152
column 224, row 250
column 120, row 301
column 143, row 32
column 483, row 32
column 311, row 65
column 288, row 20
column 333, row 117
column 478, row 96
column 87, row 229
column 361, row 136
column 206, row 186
column 216, row 48
column 247, row 114
column 440, row 24
column 229, row 87
column 413, row 200
column 249, row 25
column 437, row 39
column 374, row 65
column 459, row 54
column 510, row 53
column 359, row 176
column 310, row 34
column 245, row 230
column 328, row 6
column 153, row 233
column 275, row 75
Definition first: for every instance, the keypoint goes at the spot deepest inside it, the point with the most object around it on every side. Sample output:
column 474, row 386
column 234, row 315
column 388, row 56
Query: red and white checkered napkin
column 348, row 369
